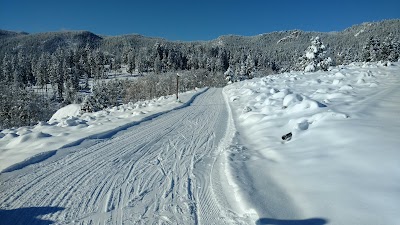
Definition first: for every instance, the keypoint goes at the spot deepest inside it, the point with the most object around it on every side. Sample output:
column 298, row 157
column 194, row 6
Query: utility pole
column 177, row 86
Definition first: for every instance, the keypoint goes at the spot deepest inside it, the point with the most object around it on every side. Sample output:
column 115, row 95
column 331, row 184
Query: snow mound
column 337, row 82
column 9, row 136
column 339, row 75
column 29, row 137
column 366, row 75
column 346, row 87
column 291, row 99
column 66, row 111
column 72, row 121
column 305, row 104
column 280, row 94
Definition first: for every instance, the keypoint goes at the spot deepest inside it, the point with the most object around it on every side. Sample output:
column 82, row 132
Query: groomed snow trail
column 162, row 171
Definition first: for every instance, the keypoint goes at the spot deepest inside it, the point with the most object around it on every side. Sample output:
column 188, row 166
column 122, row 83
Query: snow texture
column 165, row 169
column 219, row 157
column 341, row 164
column 68, row 126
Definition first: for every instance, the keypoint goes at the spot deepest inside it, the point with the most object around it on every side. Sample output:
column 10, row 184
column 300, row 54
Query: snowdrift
column 341, row 161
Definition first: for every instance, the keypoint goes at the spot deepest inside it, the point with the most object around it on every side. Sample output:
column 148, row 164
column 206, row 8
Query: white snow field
column 342, row 164
column 218, row 157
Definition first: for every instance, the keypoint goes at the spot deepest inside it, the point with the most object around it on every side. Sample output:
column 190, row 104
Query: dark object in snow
column 287, row 136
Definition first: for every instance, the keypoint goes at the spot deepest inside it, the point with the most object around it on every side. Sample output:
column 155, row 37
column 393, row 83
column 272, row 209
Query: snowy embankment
column 25, row 145
column 341, row 164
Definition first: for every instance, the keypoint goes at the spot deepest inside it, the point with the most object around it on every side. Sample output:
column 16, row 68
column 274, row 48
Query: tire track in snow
column 157, row 172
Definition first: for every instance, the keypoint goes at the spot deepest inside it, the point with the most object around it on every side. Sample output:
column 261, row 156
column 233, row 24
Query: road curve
column 161, row 171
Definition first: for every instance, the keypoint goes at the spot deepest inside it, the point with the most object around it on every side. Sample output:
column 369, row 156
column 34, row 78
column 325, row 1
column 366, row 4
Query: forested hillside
column 61, row 64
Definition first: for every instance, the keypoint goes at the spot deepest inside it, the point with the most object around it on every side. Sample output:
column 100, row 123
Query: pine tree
column 229, row 75
column 157, row 65
column 250, row 67
column 390, row 49
column 22, row 68
column 7, row 70
column 89, row 104
column 315, row 57
column 131, row 62
column 42, row 71
column 371, row 50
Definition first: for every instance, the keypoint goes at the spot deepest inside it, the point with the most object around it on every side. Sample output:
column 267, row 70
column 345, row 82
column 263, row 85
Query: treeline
column 27, row 59
column 21, row 107
column 62, row 70
column 62, row 63
column 111, row 93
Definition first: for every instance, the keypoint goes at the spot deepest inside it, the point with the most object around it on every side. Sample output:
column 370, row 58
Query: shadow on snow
column 27, row 215
column 270, row 221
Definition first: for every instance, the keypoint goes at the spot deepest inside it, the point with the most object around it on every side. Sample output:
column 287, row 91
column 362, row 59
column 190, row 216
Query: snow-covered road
column 165, row 170
column 218, row 158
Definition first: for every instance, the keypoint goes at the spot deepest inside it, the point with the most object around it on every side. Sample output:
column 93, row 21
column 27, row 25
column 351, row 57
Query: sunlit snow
column 319, row 148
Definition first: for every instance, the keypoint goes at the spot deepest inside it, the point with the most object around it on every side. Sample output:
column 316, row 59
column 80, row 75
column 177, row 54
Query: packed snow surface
column 218, row 156
column 68, row 126
column 166, row 169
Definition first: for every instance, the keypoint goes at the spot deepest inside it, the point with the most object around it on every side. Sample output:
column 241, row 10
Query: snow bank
column 341, row 163
column 67, row 111
column 24, row 145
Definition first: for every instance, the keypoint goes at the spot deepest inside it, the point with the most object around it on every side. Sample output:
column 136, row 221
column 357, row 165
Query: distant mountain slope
column 49, row 41
column 275, row 50
column 6, row 33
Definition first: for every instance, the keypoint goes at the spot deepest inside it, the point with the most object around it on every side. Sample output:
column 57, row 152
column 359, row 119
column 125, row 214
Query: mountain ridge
column 4, row 32
column 277, row 51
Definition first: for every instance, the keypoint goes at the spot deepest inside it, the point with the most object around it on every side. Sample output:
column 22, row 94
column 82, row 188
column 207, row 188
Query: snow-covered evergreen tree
column 371, row 50
column 7, row 70
column 229, row 75
column 250, row 67
column 130, row 61
column 315, row 57
column 42, row 70
column 377, row 50
column 157, row 64
column 390, row 50
column 89, row 104
column 22, row 107
column 242, row 72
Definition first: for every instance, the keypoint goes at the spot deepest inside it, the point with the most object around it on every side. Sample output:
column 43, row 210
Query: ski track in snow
column 158, row 172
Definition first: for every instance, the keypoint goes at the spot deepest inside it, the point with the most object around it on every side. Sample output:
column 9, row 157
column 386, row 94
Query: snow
column 311, row 54
column 68, row 125
column 359, row 32
column 164, row 170
column 66, row 111
column 217, row 157
column 309, row 68
column 342, row 162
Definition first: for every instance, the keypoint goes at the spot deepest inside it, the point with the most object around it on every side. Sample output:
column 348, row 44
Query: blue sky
column 190, row 20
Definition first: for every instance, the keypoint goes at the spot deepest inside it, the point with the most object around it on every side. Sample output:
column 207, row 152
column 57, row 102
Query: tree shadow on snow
column 27, row 215
column 270, row 221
